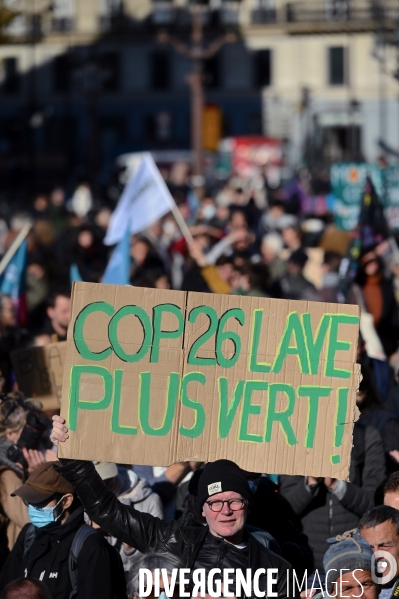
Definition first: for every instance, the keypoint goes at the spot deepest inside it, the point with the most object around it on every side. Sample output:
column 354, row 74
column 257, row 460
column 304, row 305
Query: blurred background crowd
column 276, row 129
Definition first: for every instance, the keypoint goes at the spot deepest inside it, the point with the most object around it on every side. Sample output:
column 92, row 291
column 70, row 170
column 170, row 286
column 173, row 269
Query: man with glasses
column 224, row 498
column 43, row 550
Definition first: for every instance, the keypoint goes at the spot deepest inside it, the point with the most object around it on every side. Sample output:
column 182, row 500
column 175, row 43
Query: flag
column 144, row 200
column 74, row 273
column 12, row 281
column 118, row 267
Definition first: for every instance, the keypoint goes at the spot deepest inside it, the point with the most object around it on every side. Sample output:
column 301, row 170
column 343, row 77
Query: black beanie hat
column 221, row 476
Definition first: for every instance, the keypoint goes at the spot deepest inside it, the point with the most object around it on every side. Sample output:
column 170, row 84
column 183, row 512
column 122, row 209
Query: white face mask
column 208, row 211
column 169, row 228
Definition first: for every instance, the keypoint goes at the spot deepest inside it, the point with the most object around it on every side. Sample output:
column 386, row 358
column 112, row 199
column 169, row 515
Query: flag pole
column 12, row 250
column 182, row 223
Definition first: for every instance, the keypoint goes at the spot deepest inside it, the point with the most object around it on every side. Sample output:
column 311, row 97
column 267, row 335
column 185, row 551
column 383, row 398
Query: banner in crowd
column 39, row 372
column 348, row 181
column 154, row 377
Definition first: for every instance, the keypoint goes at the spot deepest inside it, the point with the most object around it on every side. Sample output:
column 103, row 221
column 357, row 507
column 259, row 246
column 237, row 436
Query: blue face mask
column 40, row 517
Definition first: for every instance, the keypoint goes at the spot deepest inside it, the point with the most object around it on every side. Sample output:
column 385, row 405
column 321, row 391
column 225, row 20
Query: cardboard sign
column 154, row 377
column 39, row 372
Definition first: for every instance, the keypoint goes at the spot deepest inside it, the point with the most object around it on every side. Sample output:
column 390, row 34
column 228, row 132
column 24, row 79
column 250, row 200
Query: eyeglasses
column 234, row 504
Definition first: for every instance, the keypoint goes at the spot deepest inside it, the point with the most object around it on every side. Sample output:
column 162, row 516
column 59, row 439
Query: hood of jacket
column 140, row 491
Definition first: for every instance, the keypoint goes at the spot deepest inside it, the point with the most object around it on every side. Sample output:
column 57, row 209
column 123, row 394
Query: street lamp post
column 197, row 52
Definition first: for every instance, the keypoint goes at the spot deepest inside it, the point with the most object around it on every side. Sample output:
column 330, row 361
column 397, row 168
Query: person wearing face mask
column 44, row 548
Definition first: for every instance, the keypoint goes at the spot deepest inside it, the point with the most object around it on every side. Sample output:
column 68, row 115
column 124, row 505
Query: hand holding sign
column 59, row 431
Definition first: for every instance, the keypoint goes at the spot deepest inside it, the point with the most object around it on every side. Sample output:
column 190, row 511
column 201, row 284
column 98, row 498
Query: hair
column 378, row 515
column 61, row 292
column 273, row 241
column 151, row 561
column 388, row 485
column 222, row 260
column 25, row 588
column 333, row 260
column 12, row 417
column 392, row 484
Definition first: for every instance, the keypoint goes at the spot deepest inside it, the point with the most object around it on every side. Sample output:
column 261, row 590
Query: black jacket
column 194, row 545
column 100, row 570
column 273, row 513
column 322, row 514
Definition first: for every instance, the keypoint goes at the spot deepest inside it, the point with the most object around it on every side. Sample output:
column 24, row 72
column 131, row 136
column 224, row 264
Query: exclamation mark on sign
column 342, row 406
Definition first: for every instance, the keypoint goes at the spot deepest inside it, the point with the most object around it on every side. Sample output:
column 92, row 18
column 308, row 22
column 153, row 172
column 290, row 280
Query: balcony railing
column 372, row 12
column 62, row 24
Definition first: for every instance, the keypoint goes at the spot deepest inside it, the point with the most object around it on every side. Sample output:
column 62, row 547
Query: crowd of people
column 83, row 529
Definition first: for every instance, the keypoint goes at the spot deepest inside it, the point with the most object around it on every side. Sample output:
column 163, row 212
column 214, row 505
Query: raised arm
column 139, row 530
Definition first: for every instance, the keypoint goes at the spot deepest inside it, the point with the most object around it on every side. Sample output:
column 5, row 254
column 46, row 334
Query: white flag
column 144, row 200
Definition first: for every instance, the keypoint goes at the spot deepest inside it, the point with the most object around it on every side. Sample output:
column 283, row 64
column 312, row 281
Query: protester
column 13, row 513
column 379, row 299
column 326, row 505
column 387, row 492
column 376, row 413
column 348, row 562
column 223, row 539
column 294, row 284
column 380, row 528
column 58, row 311
column 134, row 491
column 57, row 530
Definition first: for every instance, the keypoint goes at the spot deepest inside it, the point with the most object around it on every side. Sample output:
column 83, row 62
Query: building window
column 61, row 74
column 110, row 11
column 337, row 65
column 63, row 15
column 11, row 78
column 160, row 74
column 212, row 71
column 263, row 68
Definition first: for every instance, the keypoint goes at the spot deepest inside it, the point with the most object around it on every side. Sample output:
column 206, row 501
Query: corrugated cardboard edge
column 357, row 369
column 65, row 381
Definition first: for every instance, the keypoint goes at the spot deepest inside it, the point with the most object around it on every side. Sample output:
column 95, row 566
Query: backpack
column 84, row 531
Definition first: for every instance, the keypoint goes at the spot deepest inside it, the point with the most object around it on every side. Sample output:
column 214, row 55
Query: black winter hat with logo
column 221, row 476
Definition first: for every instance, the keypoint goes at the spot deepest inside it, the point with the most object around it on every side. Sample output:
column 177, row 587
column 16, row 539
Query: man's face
column 349, row 585
column 60, row 312
column 226, row 523
column 392, row 499
column 383, row 537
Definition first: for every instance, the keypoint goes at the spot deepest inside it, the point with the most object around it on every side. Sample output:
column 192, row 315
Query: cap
column 43, row 483
column 107, row 470
column 221, row 476
column 348, row 551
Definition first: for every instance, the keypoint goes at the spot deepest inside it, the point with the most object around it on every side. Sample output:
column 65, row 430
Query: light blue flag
column 74, row 273
column 118, row 267
column 12, row 280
